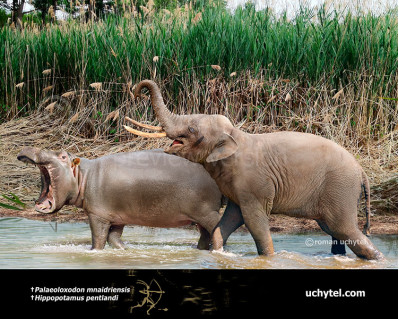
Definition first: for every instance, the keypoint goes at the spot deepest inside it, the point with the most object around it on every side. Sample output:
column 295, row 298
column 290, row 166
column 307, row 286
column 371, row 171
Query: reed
column 326, row 72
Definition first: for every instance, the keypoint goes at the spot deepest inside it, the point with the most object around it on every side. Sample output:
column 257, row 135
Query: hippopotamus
column 147, row 188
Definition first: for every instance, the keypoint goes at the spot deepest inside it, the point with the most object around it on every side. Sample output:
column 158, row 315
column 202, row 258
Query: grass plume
column 326, row 72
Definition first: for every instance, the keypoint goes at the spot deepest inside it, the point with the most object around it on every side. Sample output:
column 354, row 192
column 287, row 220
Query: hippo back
column 137, row 187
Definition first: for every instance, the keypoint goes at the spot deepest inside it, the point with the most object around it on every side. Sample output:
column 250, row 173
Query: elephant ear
column 226, row 147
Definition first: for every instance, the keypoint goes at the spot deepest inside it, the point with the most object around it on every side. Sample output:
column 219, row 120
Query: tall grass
column 324, row 71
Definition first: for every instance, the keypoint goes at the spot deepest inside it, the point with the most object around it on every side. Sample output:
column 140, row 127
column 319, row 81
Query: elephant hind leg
column 356, row 241
column 337, row 247
column 231, row 220
column 362, row 246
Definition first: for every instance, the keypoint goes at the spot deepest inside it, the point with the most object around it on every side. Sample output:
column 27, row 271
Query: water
column 34, row 244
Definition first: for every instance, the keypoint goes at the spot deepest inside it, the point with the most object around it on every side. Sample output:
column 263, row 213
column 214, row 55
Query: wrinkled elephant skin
column 292, row 173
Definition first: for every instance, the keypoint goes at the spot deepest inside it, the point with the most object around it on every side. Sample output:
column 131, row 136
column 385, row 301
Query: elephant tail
column 366, row 189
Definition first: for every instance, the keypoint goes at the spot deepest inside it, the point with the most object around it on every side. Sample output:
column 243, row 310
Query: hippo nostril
column 25, row 159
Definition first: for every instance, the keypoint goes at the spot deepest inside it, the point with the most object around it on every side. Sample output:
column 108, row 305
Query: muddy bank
column 43, row 131
column 380, row 224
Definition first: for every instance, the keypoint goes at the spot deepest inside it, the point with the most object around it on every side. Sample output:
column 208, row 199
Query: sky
column 292, row 6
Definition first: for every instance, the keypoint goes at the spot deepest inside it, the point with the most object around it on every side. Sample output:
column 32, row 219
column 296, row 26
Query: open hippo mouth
column 46, row 202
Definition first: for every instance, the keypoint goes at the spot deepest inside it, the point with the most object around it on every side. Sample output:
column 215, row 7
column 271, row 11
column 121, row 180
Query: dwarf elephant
column 296, row 174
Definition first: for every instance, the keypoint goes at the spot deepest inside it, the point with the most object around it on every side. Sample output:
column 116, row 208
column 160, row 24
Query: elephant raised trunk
column 166, row 118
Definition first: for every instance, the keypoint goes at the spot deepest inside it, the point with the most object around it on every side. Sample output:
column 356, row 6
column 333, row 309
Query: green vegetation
column 320, row 68
column 3, row 18
column 14, row 199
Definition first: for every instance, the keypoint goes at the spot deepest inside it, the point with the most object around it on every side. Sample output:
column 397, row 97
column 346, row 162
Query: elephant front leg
column 99, row 231
column 114, row 236
column 256, row 219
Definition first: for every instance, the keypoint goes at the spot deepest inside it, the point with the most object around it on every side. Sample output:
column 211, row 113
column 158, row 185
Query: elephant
column 292, row 173
column 146, row 188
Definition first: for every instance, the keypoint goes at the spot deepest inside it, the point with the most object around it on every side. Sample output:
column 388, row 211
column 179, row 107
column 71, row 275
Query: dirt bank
column 43, row 131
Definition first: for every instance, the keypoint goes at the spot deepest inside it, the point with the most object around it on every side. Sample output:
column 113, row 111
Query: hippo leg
column 99, row 231
column 206, row 224
column 205, row 238
column 114, row 236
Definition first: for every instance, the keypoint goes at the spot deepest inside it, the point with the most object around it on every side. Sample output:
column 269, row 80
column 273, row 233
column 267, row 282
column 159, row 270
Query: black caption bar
column 195, row 293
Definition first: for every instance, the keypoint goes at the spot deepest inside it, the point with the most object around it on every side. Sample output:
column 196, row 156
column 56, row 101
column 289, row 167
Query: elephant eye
column 220, row 143
column 191, row 129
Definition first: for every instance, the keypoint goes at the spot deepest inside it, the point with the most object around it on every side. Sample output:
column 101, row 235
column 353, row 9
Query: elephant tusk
column 143, row 134
column 150, row 127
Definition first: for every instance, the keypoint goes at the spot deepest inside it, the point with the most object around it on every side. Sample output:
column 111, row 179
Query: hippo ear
column 74, row 165
column 75, row 161
column 226, row 147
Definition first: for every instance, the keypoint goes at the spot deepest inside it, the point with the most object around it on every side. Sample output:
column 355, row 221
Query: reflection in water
column 33, row 244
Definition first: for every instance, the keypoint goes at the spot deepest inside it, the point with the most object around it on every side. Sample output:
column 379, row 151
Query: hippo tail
column 366, row 189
